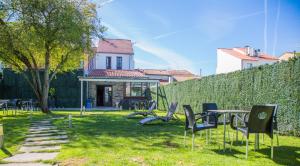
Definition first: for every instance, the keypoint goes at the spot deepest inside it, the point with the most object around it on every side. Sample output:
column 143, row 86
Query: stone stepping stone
column 26, row 164
column 46, row 134
column 38, row 148
column 50, row 142
column 38, row 125
column 42, row 128
column 31, row 157
column 44, row 131
column 59, row 137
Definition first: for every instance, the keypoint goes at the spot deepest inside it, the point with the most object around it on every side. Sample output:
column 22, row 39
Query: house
column 238, row 58
column 169, row 76
column 288, row 55
column 110, row 76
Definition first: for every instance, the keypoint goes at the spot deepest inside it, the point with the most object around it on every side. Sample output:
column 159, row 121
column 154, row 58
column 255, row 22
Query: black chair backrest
column 190, row 121
column 209, row 106
column 172, row 109
column 275, row 125
column 261, row 119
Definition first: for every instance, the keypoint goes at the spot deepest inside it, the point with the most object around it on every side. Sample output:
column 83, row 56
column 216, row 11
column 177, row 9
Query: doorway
column 104, row 95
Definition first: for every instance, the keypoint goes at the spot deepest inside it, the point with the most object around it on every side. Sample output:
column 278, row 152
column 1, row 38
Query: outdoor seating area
column 142, row 83
column 18, row 104
column 171, row 139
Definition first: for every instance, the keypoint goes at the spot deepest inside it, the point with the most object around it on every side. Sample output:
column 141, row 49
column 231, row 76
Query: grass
column 108, row 138
column 15, row 128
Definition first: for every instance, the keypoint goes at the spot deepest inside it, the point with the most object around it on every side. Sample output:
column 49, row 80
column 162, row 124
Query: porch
column 108, row 92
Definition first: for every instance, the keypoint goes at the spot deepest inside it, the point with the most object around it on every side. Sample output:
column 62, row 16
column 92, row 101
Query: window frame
column 119, row 63
column 108, row 66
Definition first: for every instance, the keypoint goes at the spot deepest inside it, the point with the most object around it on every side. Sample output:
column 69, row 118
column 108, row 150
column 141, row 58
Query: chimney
column 256, row 52
column 248, row 50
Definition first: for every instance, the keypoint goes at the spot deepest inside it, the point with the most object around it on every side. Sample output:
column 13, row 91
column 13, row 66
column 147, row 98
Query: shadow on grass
column 283, row 155
column 4, row 150
column 109, row 129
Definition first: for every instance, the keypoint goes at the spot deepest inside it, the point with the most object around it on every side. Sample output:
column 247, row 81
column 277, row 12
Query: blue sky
column 177, row 34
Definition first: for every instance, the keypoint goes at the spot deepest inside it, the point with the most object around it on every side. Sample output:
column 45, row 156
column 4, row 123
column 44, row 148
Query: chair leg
column 263, row 138
column 184, row 137
column 193, row 142
column 209, row 136
column 272, row 148
column 206, row 136
column 246, row 148
column 277, row 138
column 242, row 138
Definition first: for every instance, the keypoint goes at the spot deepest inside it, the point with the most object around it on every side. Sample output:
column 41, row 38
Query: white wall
column 227, row 63
column 257, row 63
column 127, row 61
column 161, row 77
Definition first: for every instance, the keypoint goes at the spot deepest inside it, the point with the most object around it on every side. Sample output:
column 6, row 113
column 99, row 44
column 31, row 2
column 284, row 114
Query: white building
column 110, row 76
column 238, row 58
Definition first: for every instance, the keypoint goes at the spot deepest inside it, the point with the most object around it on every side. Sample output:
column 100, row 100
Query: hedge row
column 278, row 83
column 66, row 86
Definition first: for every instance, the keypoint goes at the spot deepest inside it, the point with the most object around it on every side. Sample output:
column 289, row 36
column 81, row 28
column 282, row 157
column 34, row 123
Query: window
column 136, row 89
column 108, row 62
column 119, row 63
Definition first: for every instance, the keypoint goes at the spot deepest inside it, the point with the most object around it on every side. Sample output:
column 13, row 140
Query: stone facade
column 117, row 91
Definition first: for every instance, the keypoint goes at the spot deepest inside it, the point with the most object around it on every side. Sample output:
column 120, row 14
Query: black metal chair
column 206, row 107
column 260, row 121
column 244, row 121
column 191, row 122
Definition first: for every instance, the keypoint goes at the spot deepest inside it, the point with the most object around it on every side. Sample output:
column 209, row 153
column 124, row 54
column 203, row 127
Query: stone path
column 42, row 143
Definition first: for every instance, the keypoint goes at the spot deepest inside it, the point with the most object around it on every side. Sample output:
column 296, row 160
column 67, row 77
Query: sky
column 185, row 34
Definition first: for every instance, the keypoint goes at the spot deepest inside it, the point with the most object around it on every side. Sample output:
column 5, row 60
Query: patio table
column 225, row 112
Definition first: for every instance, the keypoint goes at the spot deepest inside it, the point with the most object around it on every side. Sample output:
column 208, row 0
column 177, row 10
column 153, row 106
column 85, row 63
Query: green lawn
column 15, row 127
column 108, row 138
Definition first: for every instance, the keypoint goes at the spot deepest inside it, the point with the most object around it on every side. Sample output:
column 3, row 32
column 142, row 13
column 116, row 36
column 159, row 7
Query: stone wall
column 117, row 91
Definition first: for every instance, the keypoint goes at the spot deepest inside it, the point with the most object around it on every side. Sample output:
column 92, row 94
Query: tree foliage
column 52, row 35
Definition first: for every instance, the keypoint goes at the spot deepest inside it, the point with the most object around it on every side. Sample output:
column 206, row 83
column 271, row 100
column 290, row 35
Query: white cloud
column 105, row 2
column 222, row 22
column 158, row 18
column 143, row 64
column 266, row 26
column 173, row 59
column 246, row 16
column 276, row 28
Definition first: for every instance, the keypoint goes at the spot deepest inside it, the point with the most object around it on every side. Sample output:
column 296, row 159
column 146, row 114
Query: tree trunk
column 44, row 102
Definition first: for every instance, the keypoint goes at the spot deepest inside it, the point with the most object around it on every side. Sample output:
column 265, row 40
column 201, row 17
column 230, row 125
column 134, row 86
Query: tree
column 51, row 36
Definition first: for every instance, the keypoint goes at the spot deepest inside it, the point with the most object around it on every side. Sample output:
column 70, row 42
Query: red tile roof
column 155, row 72
column 268, row 57
column 115, row 46
column 167, row 72
column 238, row 53
column 115, row 73
column 183, row 73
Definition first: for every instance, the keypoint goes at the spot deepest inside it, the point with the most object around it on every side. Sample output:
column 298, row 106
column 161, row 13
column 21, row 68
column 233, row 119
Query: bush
column 278, row 83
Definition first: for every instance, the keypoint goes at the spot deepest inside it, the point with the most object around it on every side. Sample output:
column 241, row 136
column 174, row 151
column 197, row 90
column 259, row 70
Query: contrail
column 105, row 3
column 266, row 26
column 276, row 28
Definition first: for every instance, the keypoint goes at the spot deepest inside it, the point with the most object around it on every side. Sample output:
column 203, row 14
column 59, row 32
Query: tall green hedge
column 66, row 86
column 278, row 83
